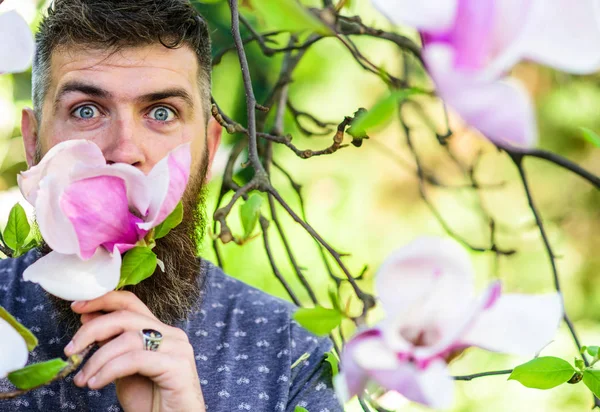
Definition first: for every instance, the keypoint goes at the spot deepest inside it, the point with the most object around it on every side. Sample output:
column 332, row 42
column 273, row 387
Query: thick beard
column 173, row 294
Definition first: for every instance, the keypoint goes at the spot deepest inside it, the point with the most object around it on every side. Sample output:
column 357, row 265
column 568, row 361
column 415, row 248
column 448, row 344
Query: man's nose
column 124, row 143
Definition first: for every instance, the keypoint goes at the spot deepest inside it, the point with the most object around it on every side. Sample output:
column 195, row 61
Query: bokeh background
column 365, row 201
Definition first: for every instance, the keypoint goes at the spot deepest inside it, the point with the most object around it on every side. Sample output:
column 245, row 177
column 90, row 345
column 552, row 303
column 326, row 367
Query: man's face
column 136, row 105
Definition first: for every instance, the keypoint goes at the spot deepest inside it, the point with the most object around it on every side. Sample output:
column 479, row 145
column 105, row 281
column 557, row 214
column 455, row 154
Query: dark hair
column 117, row 24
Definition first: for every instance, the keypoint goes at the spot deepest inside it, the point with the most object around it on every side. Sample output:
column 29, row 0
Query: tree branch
column 481, row 375
column 517, row 158
column 557, row 160
column 250, row 99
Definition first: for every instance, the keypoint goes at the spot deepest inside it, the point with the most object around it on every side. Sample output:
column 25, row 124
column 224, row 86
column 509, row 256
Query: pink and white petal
column 99, row 211
column 59, row 161
column 13, row 348
column 55, row 227
column 437, row 385
column 431, row 386
column 404, row 380
column 139, row 188
column 450, row 331
column 561, row 34
column 517, row 324
column 471, row 35
column 500, row 109
column 169, row 178
column 16, row 44
column 353, row 378
column 71, row 278
column 426, row 15
column 369, row 351
column 431, row 269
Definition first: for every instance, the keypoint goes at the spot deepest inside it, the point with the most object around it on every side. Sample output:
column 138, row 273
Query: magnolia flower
column 90, row 212
column 16, row 43
column 427, row 291
column 469, row 46
column 13, row 349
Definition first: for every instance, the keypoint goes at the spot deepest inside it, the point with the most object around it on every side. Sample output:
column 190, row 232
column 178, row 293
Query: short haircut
column 117, row 24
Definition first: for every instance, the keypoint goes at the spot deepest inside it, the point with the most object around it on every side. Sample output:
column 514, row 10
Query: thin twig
column 367, row 299
column 517, row 158
column 431, row 206
column 557, row 160
column 481, row 375
column 250, row 99
column 264, row 224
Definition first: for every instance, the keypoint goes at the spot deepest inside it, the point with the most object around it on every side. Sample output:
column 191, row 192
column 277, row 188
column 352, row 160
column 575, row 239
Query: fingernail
column 92, row 381
column 69, row 349
column 79, row 303
column 78, row 377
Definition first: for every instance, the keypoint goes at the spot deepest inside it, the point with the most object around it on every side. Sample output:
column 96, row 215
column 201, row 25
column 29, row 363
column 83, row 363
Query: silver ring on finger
column 151, row 339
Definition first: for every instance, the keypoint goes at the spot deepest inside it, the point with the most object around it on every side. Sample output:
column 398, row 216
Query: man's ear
column 29, row 128
column 213, row 140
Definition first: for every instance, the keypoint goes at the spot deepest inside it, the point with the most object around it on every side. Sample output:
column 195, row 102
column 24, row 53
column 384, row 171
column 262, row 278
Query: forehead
column 128, row 72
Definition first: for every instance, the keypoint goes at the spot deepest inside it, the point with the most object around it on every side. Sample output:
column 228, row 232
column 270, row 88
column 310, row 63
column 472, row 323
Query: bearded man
column 133, row 76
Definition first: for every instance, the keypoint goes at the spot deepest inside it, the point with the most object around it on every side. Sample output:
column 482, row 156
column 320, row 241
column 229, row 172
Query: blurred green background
column 365, row 201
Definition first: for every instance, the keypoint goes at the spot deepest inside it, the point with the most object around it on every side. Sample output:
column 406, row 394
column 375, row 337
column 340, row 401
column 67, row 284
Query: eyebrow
column 80, row 87
column 98, row 92
column 166, row 94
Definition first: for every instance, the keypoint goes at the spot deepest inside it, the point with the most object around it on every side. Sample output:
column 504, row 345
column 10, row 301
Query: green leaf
column 579, row 364
column 173, row 220
column 250, row 213
column 301, row 359
column 300, row 409
column 289, row 15
column 334, row 362
column 30, row 339
column 591, row 379
column 17, row 228
column 318, row 320
column 543, row 373
column 591, row 136
column 37, row 374
column 138, row 264
column 380, row 113
column 592, row 350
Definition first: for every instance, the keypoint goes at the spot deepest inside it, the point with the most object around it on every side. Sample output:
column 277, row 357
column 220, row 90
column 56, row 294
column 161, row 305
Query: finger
column 127, row 342
column 86, row 317
column 111, row 324
column 159, row 367
column 112, row 302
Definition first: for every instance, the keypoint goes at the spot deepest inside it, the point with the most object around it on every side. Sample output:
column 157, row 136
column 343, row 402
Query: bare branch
column 518, row 161
column 481, row 375
column 557, row 160
column 250, row 99
column 264, row 224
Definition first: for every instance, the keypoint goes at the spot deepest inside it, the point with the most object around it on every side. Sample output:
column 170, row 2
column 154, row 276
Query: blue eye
column 86, row 112
column 162, row 114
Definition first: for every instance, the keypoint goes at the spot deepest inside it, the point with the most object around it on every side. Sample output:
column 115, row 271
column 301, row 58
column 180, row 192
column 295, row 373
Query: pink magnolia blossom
column 90, row 212
column 470, row 45
column 13, row 349
column 16, row 43
column 427, row 291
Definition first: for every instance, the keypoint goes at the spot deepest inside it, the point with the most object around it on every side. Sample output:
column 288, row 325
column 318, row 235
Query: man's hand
column 114, row 321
